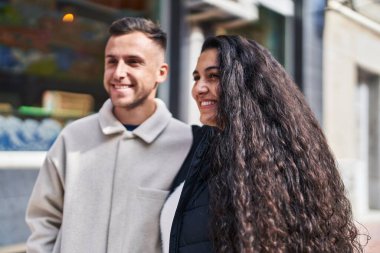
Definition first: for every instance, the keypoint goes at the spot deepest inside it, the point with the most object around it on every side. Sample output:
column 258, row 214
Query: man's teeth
column 204, row 103
column 119, row 86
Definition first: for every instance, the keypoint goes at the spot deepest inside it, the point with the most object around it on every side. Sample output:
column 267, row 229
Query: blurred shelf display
column 31, row 160
column 36, row 128
column 67, row 104
column 33, row 111
column 27, row 134
column 5, row 108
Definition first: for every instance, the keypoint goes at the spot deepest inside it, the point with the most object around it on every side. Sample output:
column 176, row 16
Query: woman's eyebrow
column 212, row 67
column 195, row 72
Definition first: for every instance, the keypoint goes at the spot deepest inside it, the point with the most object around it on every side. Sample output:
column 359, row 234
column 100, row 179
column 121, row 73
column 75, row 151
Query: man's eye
column 133, row 62
column 195, row 78
column 112, row 61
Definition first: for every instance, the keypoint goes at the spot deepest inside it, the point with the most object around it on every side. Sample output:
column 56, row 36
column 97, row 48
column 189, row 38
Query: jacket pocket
column 146, row 215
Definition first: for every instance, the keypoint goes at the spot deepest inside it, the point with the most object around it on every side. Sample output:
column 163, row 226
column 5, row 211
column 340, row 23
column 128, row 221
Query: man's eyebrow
column 133, row 56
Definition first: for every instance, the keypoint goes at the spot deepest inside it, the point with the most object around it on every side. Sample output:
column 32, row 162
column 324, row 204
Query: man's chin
column 128, row 105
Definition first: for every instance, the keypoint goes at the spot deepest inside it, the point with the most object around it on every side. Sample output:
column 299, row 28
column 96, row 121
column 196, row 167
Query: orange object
column 68, row 17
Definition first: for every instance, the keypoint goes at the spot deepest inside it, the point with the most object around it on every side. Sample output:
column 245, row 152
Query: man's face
column 134, row 65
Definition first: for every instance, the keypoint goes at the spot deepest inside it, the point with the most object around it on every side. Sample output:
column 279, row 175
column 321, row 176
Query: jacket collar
column 148, row 131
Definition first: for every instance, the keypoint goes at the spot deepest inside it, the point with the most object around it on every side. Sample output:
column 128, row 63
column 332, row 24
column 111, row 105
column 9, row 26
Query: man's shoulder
column 176, row 125
column 86, row 122
column 174, row 132
column 78, row 132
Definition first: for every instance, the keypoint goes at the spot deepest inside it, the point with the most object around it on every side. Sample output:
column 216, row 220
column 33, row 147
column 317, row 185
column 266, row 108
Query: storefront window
column 269, row 31
column 51, row 65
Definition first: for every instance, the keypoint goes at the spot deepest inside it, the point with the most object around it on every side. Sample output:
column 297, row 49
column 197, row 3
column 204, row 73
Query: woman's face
column 206, row 85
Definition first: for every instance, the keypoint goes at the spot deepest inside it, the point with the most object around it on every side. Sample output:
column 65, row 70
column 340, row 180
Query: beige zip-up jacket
column 101, row 187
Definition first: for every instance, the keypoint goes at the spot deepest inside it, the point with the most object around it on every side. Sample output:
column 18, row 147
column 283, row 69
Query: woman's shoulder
column 199, row 133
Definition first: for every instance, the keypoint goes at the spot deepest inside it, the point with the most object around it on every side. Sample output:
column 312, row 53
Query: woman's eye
column 195, row 78
column 213, row 76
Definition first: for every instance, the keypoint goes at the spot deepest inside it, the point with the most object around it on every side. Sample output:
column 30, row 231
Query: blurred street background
column 51, row 67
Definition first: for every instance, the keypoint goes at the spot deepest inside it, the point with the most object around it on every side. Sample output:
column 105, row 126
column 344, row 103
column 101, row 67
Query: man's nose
column 121, row 70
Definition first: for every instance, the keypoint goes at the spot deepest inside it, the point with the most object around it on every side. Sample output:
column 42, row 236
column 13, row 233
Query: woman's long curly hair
column 275, row 186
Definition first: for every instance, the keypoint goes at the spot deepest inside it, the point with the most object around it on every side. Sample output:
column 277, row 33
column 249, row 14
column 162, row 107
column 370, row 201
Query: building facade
column 351, row 98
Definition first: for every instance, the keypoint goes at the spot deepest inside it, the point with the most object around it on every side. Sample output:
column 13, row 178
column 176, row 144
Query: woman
column 260, row 176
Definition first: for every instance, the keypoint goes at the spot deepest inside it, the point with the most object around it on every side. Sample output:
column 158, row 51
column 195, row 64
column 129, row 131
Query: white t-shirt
column 167, row 216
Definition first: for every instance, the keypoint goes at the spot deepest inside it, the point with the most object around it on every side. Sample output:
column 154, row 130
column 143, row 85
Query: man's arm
column 44, row 212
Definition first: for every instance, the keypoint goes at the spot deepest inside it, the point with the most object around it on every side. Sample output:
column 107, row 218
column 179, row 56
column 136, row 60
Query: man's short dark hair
column 130, row 24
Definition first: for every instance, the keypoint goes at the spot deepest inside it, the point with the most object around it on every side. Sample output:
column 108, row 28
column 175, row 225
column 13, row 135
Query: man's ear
column 163, row 73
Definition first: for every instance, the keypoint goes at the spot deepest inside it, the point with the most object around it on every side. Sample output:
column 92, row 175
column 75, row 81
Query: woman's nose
column 201, row 87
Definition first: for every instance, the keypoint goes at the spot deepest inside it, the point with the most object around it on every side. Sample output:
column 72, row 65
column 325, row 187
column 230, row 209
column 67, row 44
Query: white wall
column 350, row 43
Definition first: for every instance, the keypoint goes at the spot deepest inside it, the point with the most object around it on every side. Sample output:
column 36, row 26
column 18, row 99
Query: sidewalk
column 374, row 232
column 372, row 223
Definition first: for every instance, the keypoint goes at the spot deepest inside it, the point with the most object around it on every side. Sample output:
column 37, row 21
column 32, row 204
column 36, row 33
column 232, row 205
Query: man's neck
column 135, row 116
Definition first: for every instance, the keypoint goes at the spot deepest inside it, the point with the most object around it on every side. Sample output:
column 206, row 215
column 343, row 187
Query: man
column 103, row 183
